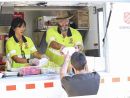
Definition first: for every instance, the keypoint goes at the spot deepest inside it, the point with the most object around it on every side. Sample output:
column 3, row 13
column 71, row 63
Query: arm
column 56, row 45
column 23, row 60
column 51, row 39
column 34, row 51
column 79, row 47
column 63, row 70
column 19, row 60
column 37, row 55
column 11, row 52
column 78, row 41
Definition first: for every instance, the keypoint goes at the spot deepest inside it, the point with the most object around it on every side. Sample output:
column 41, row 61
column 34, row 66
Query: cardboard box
column 2, row 43
column 81, row 18
column 45, row 21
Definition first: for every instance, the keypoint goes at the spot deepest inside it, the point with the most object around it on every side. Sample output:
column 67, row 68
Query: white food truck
column 106, row 36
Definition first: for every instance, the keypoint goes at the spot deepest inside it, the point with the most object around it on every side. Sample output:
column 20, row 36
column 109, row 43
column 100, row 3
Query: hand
column 78, row 48
column 61, row 49
column 44, row 56
column 69, row 50
column 4, row 59
column 34, row 62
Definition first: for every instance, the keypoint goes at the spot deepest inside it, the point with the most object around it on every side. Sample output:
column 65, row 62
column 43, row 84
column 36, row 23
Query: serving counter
column 49, row 86
column 34, row 86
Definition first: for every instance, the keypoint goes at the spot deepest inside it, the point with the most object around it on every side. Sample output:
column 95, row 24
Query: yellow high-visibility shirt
column 73, row 38
column 24, row 51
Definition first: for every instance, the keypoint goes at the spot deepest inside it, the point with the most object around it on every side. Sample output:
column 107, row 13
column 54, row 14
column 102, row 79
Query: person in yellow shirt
column 61, row 36
column 19, row 48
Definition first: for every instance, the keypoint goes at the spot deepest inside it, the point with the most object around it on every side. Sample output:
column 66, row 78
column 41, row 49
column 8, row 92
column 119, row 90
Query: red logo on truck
column 127, row 17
